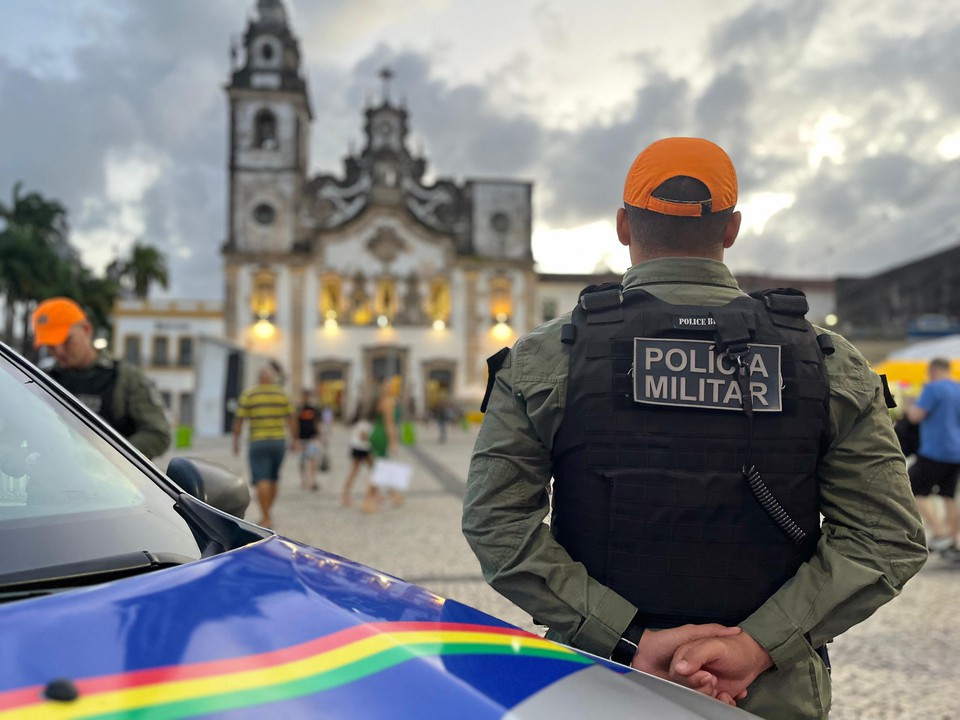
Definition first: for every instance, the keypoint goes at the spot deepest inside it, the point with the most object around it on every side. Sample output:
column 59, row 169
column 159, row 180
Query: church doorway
column 385, row 363
column 331, row 386
column 438, row 384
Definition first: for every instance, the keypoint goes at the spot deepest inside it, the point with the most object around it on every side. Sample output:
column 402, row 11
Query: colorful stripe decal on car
column 184, row 691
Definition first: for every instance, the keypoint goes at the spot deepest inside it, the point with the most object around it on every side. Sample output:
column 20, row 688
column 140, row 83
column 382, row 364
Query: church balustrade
column 384, row 301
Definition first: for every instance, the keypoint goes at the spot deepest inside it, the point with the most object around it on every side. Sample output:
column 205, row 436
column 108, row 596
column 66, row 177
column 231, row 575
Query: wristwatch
column 627, row 645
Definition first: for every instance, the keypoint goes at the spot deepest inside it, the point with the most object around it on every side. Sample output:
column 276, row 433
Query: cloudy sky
column 842, row 116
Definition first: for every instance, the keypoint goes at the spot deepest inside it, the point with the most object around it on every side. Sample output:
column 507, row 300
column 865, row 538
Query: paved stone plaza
column 904, row 662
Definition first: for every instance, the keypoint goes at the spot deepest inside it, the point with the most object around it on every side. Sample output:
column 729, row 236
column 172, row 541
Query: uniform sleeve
column 872, row 538
column 506, row 504
column 143, row 405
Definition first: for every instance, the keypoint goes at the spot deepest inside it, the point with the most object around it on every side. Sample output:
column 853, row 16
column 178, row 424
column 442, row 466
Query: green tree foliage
column 37, row 262
column 146, row 266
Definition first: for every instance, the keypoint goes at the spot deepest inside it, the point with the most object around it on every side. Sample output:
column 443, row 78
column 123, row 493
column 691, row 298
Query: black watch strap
column 626, row 647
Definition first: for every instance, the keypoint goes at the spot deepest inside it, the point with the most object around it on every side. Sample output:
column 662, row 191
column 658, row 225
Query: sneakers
column 940, row 544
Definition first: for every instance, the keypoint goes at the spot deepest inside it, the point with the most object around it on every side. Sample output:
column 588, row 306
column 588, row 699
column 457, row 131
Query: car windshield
column 67, row 495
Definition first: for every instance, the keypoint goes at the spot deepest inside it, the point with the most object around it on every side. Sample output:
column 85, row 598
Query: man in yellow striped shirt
column 271, row 413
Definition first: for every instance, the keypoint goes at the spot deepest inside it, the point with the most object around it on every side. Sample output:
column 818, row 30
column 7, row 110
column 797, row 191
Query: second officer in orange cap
column 114, row 389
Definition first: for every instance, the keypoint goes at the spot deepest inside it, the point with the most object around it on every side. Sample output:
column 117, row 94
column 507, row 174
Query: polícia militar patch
column 691, row 373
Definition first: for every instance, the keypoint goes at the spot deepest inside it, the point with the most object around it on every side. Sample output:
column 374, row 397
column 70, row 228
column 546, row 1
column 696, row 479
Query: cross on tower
column 386, row 75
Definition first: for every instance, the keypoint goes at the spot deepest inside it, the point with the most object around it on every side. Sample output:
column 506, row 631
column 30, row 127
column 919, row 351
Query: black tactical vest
column 95, row 387
column 651, row 496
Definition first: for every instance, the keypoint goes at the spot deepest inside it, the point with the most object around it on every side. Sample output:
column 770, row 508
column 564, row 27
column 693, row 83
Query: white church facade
column 351, row 278
column 373, row 273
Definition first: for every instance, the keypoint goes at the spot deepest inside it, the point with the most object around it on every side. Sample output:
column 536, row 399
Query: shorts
column 266, row 456
column 311, row 447
column 927, row 475
column 358, row 454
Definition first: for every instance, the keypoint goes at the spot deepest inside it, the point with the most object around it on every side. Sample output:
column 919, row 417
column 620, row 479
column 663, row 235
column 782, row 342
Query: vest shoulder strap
column 787, row 301
column 601, row 288
column 788, row 307
column 602, row 303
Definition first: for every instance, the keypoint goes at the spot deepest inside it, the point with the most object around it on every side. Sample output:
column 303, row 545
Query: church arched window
column 360, row 306
column 439, row 304
column 331, row 297
column 386, row 303
column 501, row 300
column 265, row 130
column 263, row 302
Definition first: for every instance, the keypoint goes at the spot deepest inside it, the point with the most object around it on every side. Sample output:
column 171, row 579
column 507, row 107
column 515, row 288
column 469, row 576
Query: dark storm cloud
column 890, row 198
column 582, row 172
column 462, row 133
column 721, row 113
column 769, row 38
column 870, row 215
column 148, row 83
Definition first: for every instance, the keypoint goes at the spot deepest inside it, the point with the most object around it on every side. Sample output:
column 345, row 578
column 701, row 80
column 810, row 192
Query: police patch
column 690, row 373
column 694, row 322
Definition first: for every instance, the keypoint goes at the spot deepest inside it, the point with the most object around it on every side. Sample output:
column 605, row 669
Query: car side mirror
column 212, row 483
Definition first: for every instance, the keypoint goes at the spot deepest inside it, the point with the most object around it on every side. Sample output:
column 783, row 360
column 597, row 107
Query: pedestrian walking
column 271, row 414
column 360, row 455
column 308, row 432
column 937, row 412
column 695, row 435
column 384, row 440
column 442, row 415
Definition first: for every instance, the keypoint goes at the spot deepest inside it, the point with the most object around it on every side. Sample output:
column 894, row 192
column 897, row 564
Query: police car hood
column 284, row 630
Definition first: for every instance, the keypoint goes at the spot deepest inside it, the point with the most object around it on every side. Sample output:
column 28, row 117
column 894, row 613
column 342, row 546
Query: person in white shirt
column 359, row 450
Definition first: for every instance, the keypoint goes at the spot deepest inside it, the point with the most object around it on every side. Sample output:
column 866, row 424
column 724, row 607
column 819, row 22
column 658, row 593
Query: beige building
column 164, row 337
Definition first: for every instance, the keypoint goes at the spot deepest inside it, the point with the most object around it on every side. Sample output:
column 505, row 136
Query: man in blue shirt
column 937, row 411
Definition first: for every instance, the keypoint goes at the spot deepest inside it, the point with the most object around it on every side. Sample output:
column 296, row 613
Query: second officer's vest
column 650, row 493
column 95, row 387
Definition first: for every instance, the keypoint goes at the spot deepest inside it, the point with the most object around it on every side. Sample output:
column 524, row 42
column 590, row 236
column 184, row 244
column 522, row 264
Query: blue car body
column 243, row 624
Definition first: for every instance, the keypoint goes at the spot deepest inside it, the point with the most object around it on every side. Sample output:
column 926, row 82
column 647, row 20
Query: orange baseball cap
column 675, row 157
column 53, row 319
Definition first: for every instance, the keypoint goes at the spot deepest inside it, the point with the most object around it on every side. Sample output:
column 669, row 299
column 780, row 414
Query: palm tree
column 97, row 295
column 146, row 266
column 35, row 256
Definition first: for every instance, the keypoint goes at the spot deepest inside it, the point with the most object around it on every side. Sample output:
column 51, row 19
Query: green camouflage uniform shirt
column 872, row 537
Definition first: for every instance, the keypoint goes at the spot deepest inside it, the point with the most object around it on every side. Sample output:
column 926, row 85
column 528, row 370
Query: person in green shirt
column 692, row 458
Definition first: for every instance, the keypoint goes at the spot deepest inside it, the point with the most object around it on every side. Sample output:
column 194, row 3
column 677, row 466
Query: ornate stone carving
column 386, row 245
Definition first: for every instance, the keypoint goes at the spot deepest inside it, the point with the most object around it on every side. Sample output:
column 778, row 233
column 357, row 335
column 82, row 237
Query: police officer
column 116, row 390
column 695, row 435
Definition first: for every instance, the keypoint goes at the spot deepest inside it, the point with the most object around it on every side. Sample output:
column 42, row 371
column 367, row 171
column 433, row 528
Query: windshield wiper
column 43, row 580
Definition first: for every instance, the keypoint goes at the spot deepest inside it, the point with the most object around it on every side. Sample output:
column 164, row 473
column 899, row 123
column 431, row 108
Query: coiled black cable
column 769, row 503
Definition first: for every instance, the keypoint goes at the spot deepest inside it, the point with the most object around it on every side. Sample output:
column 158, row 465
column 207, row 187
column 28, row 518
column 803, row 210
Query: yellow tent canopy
column 907, row 369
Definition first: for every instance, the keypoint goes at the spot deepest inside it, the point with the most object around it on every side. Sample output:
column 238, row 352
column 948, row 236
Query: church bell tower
column 269, row 136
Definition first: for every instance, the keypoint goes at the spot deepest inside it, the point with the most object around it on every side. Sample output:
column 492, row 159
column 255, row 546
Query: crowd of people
column 373, row 441
column 120, row 393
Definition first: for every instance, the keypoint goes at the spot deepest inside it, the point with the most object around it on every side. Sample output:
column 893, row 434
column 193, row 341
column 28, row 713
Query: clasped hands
column 712, row 659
